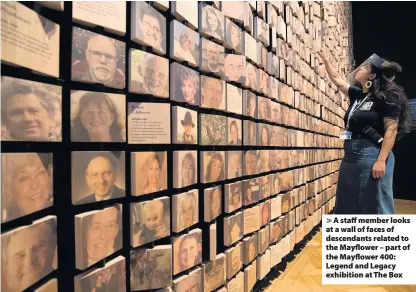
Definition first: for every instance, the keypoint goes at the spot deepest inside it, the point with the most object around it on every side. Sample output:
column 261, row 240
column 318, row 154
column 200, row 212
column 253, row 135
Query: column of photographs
column 239, row 108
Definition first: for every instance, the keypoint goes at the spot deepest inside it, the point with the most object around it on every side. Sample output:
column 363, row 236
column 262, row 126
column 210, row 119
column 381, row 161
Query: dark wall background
column 387, row 29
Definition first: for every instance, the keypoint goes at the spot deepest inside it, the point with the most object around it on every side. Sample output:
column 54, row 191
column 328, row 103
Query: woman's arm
column 342, row 85
column 379, row 168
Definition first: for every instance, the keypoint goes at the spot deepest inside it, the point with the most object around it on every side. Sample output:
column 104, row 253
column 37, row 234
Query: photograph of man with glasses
column 101, row 179
column 98, row 59
column 148, row 26
column 235, row 68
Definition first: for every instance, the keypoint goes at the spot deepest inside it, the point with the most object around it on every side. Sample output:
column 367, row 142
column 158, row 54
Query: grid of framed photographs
column 155, row 145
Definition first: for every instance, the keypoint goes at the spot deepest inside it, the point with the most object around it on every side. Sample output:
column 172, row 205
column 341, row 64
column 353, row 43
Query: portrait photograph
column 234, row 99
column 98, row 59
column 249, row 248
column 213, row 166
column 98, row 117
column 30, row 111
column 233, row 37
column 264, row 110
column 148, row 27
column 233, row 197
column 265, row 212
column 184, row 84
column 275, row 231
column 26, row 184
column 32, row 43
column 110, row 277
column 263, row 82
column 185, row 126
column 249, row 133
column 265, row 186
column 98, row 234
column 235, row 68
column 286, row 204
column 149, row 74
column 251, row 76
column 190, row 282
column 286, row 180
column 264, row 135
column 274, row 178
column 234, row 131
column 213, row 129
column 151, row 268
column 249, row 104
column 234, row 10
column 148, row 172
column 262, row 56
column 185, row 165
column 234, row 164
column 252, row 191
column 234, row 259
column 97, row 176
column 233, row 228
column 273, row 84
column 263, row 237
column 187, row 251
column 263, row 162
column 185, row 43
column 251, row 158
column 214, row 273
column 213, row 93
column 212, row 57
column 29, row 253
column 185, row 210
column 212, row 203
column 150, row 221
column 211, row 22
column 262, row 31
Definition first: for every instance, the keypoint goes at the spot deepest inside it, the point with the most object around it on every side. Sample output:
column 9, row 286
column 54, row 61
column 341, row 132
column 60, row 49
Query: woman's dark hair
column 78, row 131
column 230, row 26
column 383, row 83
column 215, row 156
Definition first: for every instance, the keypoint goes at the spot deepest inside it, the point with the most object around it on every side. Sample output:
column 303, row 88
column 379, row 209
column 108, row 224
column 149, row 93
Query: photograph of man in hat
column 188, row 126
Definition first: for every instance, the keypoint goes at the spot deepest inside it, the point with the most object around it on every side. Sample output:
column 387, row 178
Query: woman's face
column 99, row 281
column 97, row 118
column 212, row 21
column 234, row 133
column 236, row 198
column 252, row 106
column 263, row 109
column 187, row 172
column 363, row 73
column 153, row 173
column 215, row 170
column 32, row 186
column 215, row 203
column 186, row 42
column 27, row 119
column 235, row 232
column 264, row 139
column 235, row 37
column 188, row 90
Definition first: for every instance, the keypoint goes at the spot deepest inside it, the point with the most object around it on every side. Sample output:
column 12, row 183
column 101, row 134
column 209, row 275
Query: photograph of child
column 150, row 221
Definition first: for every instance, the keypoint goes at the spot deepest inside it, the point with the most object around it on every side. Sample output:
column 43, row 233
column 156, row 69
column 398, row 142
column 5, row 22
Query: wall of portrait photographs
column 185, row 146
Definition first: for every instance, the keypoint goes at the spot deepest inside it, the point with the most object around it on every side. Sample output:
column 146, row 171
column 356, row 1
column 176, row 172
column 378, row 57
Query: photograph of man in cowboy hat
column 188, row 128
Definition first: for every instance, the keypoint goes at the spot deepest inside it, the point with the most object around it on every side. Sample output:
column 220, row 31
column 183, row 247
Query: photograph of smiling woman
column 98, row 59
column 26, row 185
column 98, row 117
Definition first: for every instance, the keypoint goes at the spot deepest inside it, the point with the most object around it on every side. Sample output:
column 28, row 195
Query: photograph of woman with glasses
column 149, row 74
column 97, row 235
column 98, row 59
column 185, row 43
column 98, row 117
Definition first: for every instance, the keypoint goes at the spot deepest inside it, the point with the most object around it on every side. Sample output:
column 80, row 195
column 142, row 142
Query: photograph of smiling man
column 98, row 59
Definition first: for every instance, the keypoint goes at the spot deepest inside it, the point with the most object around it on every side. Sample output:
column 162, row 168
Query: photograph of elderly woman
column 184, row 84
column 26, row 184
column 30, row 111
column 185, row 44
column 98, row 117
column 149, row 172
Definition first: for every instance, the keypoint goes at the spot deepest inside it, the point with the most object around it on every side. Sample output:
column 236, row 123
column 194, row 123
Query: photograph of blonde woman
column 185, row 83
column 149, row 173
column 185, row 45
column 27, row 184
column 186, row 164
column 30, row 111
column 185, row 210
column 98, row 117
column 234, row 166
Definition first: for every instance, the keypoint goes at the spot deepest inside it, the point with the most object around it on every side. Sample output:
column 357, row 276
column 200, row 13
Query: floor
column 303, row 272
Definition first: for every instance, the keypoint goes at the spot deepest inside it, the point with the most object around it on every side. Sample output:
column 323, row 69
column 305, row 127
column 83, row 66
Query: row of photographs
column 101, row 117
column 100, row 175
column 98, row 234
column 100, row 59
